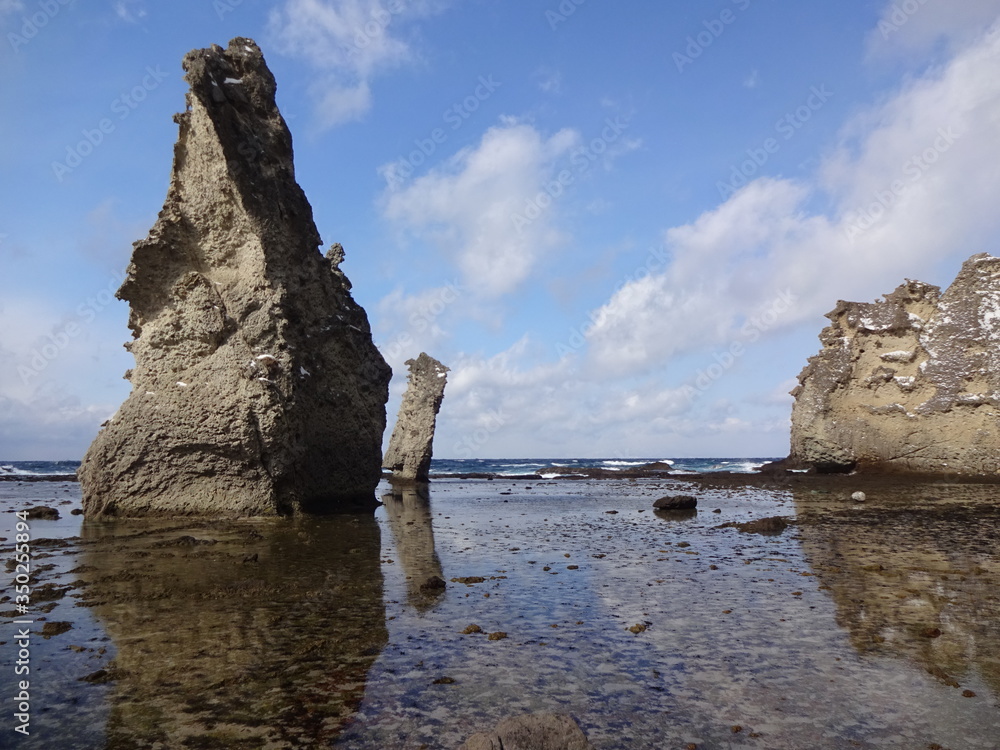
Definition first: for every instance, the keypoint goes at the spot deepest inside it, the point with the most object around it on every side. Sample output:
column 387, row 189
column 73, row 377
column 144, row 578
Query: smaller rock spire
column 410, row 448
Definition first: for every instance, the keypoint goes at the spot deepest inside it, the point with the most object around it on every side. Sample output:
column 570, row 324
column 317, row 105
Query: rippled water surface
column 861, row 625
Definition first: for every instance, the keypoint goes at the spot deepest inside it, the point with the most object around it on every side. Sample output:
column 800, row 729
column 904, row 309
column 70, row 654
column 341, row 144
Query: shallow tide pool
column 872, row 625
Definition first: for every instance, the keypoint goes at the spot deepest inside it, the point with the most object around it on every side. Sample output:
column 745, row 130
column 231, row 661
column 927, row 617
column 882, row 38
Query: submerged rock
column 532, row 732
column 257, row 389
column 908, row 384
column 43, row 512
column 770, row 526
column 411, row 444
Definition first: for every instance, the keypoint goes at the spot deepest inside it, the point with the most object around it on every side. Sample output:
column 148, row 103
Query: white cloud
column 469, row 206
column 916, row 26
column 505, row 406
column 752, row 80
column 348, row 42
column 549, row 81
column 337, row 104
column 408, row 324
column 51, row 425
column 780, row 395
column 130, row 11
column 929, row 153
column 55, row 385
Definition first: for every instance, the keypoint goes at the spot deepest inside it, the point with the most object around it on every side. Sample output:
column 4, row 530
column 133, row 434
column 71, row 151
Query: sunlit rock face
column 235, row 634
column 257, row 389
column 907, row 384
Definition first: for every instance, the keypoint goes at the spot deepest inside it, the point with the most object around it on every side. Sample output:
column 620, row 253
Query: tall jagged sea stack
column 257, row 389
column 411, row 444
column 908, row 384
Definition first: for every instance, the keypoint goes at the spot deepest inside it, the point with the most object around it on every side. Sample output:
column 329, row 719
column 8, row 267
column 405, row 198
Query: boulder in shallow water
column 257, row 389
column 42, row 512
column 676, row 502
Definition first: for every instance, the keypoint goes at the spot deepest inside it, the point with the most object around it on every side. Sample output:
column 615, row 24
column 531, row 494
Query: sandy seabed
column 873, row 625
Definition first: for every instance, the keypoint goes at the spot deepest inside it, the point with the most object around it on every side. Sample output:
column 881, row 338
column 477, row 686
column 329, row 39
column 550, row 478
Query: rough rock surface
column 908, row 384
column 411, row 444
column 532, row 732
column 676, row 502
column 257, row 389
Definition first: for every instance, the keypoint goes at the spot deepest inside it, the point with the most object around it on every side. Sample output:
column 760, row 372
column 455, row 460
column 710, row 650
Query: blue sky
column 620, row 224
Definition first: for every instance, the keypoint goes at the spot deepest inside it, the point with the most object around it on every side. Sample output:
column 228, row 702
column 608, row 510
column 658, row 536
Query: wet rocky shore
column 852, row 624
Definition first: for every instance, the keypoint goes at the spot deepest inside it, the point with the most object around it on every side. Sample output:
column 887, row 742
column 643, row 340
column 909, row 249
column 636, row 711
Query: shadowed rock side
column 257, row 389
column 920, row 580
column 408, row 510
column 907, row 384
column 411, row 444
column 235, row 635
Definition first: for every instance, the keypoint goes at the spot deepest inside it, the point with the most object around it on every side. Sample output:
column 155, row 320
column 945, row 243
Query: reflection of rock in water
column 676, row 515
column 409, row 512
column 920, row 579
column 233, row 635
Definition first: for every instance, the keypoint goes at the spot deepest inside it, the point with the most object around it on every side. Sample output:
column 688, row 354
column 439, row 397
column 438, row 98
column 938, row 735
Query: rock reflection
column 676, row 515
column 918, row 576
column 408, row 510
column 236, row 634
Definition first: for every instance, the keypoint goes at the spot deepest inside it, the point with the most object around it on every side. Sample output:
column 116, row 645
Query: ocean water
column 550, row 466
column 37, row 468
column 499, row 466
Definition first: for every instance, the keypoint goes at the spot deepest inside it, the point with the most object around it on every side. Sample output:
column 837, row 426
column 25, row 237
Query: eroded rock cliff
column 257, row 389
column 908, row 384
column 411, row 444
